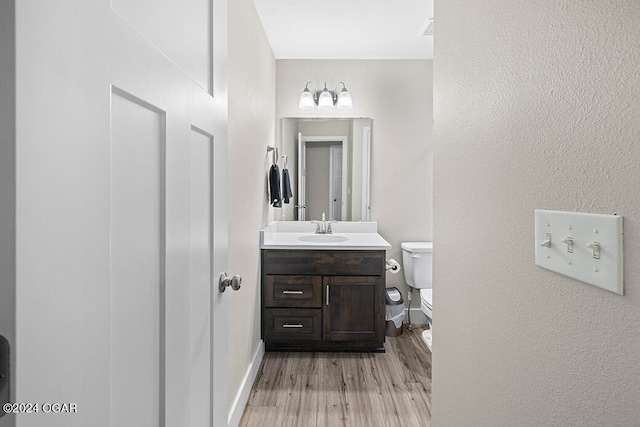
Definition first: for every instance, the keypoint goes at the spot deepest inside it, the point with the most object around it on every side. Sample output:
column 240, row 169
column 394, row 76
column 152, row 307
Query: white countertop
column 287, row 234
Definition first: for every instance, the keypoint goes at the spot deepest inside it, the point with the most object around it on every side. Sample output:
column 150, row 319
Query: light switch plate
column 574, row 258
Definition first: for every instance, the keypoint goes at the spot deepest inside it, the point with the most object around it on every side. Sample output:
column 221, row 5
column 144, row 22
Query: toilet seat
column 426, row 302
column 426, row 297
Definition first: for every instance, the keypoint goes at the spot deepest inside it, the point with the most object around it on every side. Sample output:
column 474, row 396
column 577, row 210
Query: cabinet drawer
column 334, row 263
column 284, row 324
column 293, row 291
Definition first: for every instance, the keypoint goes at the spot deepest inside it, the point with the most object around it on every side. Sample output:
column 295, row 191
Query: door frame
column 302, row 172
column 333, row 149
column 366, row 174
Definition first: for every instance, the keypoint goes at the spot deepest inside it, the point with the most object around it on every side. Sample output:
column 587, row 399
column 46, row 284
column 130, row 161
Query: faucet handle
column 329, row 226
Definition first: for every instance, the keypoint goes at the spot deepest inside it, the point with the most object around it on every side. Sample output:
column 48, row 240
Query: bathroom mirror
column 329, row 164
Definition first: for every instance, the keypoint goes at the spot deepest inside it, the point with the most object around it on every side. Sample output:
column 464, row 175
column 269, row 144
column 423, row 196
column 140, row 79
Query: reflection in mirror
column 329, row 163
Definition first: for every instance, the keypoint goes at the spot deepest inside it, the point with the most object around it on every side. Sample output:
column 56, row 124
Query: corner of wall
column 251, row 129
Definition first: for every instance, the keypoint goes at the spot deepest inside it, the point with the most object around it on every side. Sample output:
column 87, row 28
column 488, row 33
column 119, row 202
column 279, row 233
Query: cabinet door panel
column 352, row 308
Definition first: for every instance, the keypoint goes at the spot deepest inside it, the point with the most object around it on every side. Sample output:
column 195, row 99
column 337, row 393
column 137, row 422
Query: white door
column 121, row 212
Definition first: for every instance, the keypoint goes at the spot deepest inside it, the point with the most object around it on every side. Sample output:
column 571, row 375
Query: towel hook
column 275, row 154
column 286, row 158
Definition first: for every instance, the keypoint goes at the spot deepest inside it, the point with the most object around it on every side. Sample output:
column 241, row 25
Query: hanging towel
column 286, row 186
column 274, row 186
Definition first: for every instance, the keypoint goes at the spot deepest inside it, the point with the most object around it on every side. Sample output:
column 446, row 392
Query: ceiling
column 347, row 29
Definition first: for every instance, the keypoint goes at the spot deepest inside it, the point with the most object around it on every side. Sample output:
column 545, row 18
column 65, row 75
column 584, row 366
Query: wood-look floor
column 345, row 389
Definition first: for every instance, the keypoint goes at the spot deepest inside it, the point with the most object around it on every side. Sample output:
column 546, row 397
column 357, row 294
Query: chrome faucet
column 324, row 227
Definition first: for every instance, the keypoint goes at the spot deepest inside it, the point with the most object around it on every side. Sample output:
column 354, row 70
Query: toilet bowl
column 417, row 267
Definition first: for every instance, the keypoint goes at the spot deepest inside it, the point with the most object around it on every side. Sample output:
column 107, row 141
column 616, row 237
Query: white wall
column 252, row 122
column 536, row 106
column 397, row 95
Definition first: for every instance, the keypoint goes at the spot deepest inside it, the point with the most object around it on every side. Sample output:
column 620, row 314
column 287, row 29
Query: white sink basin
column 323, row 238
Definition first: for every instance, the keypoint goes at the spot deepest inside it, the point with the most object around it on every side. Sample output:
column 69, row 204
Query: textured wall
column 252, row 71
column 397, row 96
column 536, row 105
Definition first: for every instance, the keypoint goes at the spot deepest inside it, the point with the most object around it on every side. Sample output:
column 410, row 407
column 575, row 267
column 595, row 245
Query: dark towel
column 274, row 186
column 286, row 186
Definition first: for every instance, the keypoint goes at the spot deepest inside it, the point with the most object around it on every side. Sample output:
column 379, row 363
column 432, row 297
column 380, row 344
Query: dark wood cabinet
column 350, row 313
column 323, row 300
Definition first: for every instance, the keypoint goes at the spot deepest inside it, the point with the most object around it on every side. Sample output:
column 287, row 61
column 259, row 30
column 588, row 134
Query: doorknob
column 225, row 282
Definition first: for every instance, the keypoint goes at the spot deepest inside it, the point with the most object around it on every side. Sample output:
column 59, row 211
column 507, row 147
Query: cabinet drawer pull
column 292, row 325
column 327, row 294
column 293, row 292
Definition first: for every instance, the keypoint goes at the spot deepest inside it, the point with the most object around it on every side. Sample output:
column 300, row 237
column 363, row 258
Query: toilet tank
column 417, row 263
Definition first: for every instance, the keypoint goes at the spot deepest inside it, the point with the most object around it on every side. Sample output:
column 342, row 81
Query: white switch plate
column 584, row 228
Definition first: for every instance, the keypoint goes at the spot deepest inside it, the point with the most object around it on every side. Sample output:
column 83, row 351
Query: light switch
column 583, row 246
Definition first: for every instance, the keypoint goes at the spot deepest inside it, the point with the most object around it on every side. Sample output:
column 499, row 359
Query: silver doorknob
column 225, row 282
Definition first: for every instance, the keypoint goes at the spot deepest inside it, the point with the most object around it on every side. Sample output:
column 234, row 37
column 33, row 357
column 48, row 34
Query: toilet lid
column 426, row 296
column 417, row 247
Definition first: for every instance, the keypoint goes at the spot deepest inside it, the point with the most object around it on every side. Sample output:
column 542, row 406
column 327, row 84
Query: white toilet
column 417, row 263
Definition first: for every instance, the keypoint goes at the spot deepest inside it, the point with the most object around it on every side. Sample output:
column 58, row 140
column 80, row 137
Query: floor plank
column 345, row 389
column 258, row 415
column 332, row 402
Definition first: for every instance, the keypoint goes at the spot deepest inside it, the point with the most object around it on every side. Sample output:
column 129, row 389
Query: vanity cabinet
column 323, row 299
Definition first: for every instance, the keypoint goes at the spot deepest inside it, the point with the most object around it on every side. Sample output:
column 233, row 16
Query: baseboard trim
column 237, row 409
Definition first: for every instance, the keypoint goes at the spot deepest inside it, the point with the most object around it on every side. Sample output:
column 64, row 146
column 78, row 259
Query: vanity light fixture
column 325, row 99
